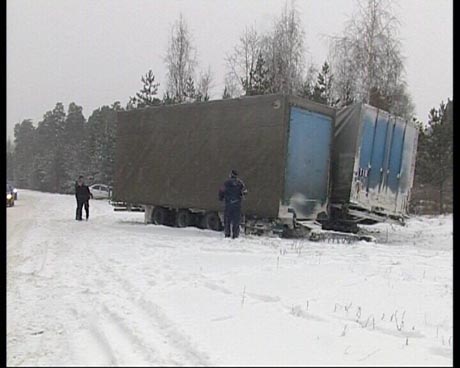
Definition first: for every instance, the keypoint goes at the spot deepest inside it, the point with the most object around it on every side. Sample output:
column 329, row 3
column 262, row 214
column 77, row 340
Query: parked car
column 9, row 196
column 101, row 191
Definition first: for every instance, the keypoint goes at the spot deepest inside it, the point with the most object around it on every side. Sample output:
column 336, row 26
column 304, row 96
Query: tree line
column 365, row 64
column 433, row 182
column 63, row 146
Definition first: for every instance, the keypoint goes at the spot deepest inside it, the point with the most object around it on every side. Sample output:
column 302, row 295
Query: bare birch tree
column 204, row 85
column 180, row 60
column 284, row 51
column 232, row 87
column 243, row 59
column 367, row 61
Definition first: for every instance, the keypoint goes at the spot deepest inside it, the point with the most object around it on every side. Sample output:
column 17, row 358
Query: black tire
column 211, row 221
column 159, row 216
column 183, row 218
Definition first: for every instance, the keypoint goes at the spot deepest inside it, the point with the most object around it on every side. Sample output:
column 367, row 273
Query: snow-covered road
column 113, row 291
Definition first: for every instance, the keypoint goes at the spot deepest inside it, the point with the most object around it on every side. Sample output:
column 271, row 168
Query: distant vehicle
column 100, row 191
column 15, row 191
column 9, row 196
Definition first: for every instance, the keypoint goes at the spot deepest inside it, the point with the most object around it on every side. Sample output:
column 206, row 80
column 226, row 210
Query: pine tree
column 322, row 91
column 434, row 165
column 48, row 170
column 74, row 143
column 101, row 135
column 189, row 90
column 24, row 152
column 259, row 82
column 10, row 164
column 147, row 94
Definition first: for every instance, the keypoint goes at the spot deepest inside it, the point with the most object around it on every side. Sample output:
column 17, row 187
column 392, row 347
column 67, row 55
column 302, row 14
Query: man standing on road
column 83, row 194
column 232, row 192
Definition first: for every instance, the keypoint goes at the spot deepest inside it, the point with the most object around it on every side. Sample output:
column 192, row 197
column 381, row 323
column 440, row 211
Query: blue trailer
column 373, row 163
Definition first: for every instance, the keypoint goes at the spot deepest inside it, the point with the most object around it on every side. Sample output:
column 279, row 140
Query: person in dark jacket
column 83, row 194
column 232, row 192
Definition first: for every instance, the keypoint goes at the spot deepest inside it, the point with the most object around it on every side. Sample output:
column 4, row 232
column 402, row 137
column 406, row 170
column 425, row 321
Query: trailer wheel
column 159, row 216
column 183, row 218
column 211, row 221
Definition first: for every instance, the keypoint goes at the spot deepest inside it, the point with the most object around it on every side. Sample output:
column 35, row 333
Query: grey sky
column 94, row 52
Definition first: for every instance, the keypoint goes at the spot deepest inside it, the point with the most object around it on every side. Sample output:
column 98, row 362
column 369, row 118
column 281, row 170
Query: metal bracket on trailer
column 316, row 233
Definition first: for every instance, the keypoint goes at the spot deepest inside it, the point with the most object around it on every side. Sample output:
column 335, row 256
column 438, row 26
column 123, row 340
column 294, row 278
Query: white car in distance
column 100, row 191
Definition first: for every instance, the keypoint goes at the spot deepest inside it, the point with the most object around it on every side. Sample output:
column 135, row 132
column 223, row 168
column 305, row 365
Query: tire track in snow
column 100, row 351
column 177, row 339
column 181, row 350
column 125, row 336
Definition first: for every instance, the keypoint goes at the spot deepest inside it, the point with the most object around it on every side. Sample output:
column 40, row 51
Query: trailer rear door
column 307, row 162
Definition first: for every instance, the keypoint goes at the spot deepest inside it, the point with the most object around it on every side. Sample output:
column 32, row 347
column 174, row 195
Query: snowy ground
column 113, row 291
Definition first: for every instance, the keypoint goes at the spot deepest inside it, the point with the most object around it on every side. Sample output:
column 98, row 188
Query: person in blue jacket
column 232, row 192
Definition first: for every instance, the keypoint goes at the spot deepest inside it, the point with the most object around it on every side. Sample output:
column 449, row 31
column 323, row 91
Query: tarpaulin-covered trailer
column 176, row 157
column 373, row 163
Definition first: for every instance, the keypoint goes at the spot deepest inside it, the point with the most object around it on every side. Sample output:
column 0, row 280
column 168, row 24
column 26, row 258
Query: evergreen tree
column 147, row 94
column 10, row 164
column 189, row 90
column 101, row 137
column 322, row 91
column 434, row 164
column 24, row 152
column 259, row 82
column 48, row 162
column 74, row 142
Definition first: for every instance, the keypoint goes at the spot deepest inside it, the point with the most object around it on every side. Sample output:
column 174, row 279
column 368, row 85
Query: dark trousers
column 232, row 216
column 80, row 205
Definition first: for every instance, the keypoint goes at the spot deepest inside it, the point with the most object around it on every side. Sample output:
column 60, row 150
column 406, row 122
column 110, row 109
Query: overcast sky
column 94, row 52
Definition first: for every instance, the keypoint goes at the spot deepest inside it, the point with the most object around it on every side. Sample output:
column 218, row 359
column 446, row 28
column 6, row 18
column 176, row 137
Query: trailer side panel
column 179, row 155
